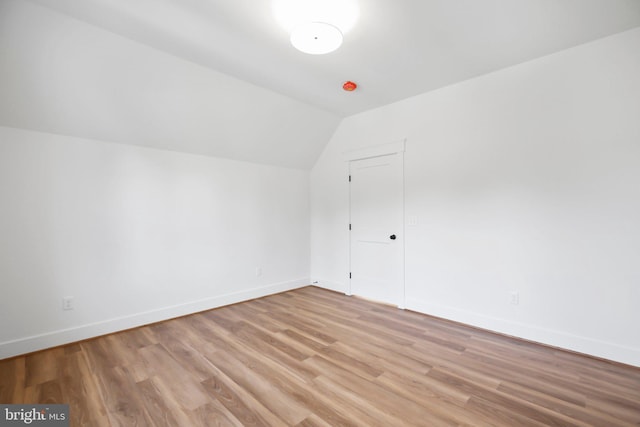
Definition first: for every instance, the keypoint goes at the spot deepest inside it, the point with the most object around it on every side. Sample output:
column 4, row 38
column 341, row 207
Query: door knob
column 392, row 237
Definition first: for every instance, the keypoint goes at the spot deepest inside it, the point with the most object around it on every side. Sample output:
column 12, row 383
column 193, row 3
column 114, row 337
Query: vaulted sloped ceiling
column 63, row 76
column 219, row 77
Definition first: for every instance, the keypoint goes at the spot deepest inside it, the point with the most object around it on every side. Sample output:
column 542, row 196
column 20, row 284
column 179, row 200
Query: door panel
column 376, row 204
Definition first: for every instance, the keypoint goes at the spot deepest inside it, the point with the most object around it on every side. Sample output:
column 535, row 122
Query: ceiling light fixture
column 316, row 26
column 316, row 38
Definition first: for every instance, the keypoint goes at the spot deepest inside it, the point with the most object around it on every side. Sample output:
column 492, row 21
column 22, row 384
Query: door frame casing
column 399, row 148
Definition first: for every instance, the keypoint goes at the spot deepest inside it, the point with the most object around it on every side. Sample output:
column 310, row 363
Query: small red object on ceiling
column 349, row 86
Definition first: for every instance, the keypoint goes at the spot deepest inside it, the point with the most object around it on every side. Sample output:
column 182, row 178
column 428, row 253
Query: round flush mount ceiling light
column 316, row 38
column 316, row 26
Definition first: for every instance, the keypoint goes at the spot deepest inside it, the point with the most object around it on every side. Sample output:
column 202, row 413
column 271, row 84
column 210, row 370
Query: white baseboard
column 332, row 286
column 91, row 330
column 580, row 344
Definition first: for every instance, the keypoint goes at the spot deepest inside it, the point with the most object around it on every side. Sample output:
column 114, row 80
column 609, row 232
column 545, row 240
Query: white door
column 377, row 232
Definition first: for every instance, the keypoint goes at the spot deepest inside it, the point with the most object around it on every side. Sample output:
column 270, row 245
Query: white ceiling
column 397, row 49
column 220, row 78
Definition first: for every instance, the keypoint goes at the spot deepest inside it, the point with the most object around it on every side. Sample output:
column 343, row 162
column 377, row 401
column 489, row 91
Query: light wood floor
column 311, row 357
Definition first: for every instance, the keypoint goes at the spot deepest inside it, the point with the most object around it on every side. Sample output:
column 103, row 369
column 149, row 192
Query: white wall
column 527, row 180
column 136, row 235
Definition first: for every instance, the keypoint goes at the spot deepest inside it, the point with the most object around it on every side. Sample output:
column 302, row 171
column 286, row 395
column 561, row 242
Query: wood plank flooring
column 311, row 357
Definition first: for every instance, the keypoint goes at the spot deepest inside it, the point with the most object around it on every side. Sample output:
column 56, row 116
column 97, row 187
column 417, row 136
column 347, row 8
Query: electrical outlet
column 67, row 303
column 258, row 271
column 412, row 220
column 515, row 298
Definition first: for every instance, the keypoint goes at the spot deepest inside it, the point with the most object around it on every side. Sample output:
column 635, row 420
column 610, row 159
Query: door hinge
column 349, row 178
column 349, row 275
column 349, row 226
